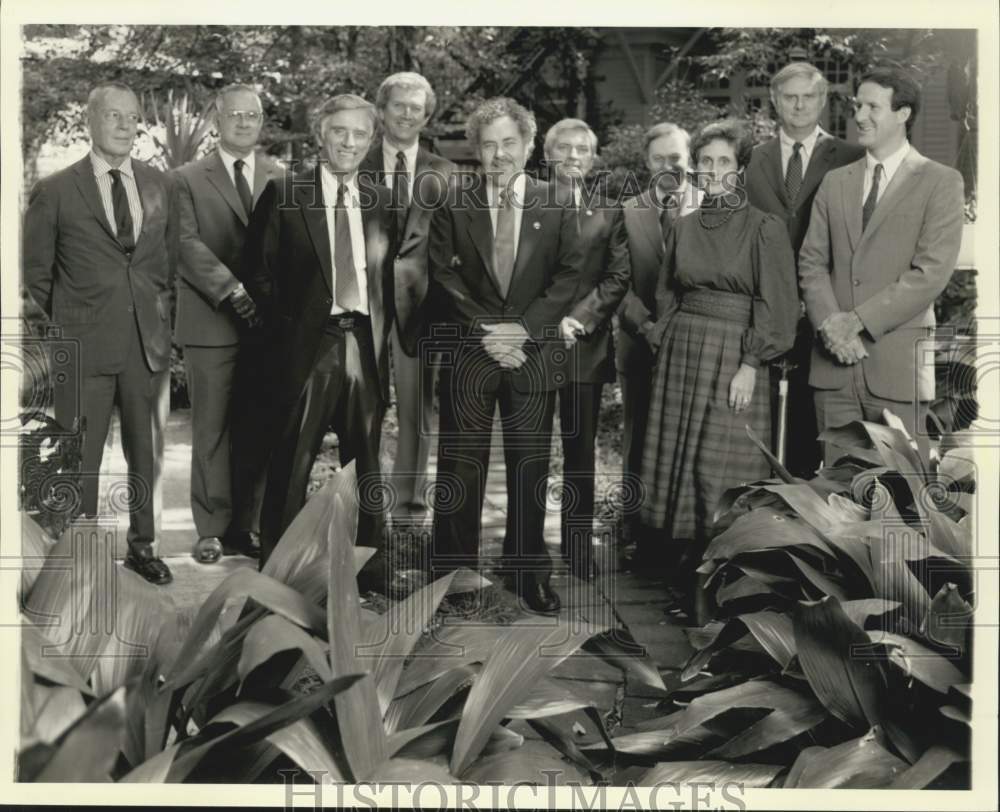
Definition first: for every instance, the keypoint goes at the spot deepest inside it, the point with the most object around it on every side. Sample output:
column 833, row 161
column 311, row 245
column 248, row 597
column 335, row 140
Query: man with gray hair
column 418, row 180
column 320, row 272
column 99, row 255
column 782, row 178
column 219, row 331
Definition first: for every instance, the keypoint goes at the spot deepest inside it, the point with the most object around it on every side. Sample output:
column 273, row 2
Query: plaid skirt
column 696, row 447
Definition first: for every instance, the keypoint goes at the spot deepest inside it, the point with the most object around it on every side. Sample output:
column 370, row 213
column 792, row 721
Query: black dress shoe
column 241, row 542
column 141, row 560
column 207, row 550
column 538, row 596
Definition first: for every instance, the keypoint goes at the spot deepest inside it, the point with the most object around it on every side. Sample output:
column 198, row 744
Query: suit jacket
column 765, row 182
column 641, row 216
column 604, row 281
column 289, row 272
column 410, row 272
column 83, row 278
column 467, row 293
column 890, row 274
column 212, row 225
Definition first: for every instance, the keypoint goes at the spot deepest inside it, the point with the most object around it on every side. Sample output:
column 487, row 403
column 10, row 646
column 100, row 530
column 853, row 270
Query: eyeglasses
column 117, row 117
column 247, row 115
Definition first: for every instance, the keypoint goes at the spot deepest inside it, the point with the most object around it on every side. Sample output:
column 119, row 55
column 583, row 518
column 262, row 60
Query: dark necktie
column 242, row 187
column 793, row 175
column 400, row 192
column 667, row 215
column 123, row 215
column 503, row 242
column 872, row 199
column 346, row 286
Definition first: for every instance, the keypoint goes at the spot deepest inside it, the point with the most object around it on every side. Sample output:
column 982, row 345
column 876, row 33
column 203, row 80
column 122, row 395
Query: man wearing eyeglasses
column 98, row 258
column 217, row 325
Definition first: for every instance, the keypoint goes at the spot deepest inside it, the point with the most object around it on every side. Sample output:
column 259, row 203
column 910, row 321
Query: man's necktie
column 503, row 242
column 400, row 192
column 346, row 285
column 123, row 215
column 667, row 215
column 793, row 174
column 242, row 187
column 872, row 199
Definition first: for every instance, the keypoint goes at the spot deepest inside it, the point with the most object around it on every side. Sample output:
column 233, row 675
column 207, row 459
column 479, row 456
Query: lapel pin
column 590, row 213
column 536, row 225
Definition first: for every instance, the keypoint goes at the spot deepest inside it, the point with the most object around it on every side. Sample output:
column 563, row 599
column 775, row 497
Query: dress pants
column 342, row 395
column 837, row 407
column 136, row 391
column 637, row 389
column 415, row 411
column 463, row 462
column 579, row 407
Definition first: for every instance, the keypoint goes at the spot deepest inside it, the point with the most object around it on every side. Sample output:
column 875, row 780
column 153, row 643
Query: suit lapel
column 315, row 218
column 850, row 189
column 219, row 178
column 480, row 228
column 264, row 171
column 371, row 219
column 904, row 177
column 649, row 215
column 819, row 164
column 147, row 194
column 87, row 184
column 771, row 151
column 531, row 230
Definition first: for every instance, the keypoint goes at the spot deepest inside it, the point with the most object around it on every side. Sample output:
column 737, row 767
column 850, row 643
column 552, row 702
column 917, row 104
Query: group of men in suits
column 295, row 290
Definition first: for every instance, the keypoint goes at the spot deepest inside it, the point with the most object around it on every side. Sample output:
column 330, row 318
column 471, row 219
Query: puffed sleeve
column 775, row 309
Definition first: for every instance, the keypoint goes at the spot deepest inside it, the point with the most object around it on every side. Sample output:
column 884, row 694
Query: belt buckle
column 345, row 321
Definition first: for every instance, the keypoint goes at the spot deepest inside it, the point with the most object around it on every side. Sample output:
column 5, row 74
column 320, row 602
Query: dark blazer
column 289, row 272
column 889, row 274
column 212, row 225
column 765, row 182
column 544, row 281
column 603, row 282
column 411, row 278
column 83, row 278
column 641, row 218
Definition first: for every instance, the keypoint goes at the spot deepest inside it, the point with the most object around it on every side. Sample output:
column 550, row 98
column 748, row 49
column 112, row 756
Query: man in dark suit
column 505, row 266
column 782, row 178
column 883, row 241
column 98, row 258
column 648, row 219
column 418, row 180
column 319, row 269
column 215, row 315
column 570, row 150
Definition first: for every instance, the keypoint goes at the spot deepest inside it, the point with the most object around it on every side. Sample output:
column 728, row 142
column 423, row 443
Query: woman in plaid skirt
column 727, row 303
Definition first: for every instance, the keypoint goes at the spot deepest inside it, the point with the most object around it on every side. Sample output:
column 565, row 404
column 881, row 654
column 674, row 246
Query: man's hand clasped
column 571, row 329
column 244, row 306
column 841, row 336
column 504, row 343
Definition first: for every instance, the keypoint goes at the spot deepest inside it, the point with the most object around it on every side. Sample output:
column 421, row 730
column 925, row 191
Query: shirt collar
column 102, row 167
column 515, row 188
column 389, row 153
column 681, row 193
column 808, row 143
column 229, row 160
column 332, row 183
column 891, row 163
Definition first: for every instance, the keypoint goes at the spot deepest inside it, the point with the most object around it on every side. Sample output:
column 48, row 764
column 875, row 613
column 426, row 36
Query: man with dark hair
column 883, row 240
column 215, row 316
column 418, row 180
column 98, row 258
column 319, row 269
column 782, row 179
column 505, row 266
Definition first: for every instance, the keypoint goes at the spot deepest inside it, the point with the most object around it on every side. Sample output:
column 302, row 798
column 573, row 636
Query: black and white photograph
column 517, row 407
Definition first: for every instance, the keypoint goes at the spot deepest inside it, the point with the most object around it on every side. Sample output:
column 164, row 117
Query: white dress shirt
column 352, row 205
column 389, row 162
column 248, row 166
column 101, row 169
column 889, row 167
column 788, row 147
column 516, row 189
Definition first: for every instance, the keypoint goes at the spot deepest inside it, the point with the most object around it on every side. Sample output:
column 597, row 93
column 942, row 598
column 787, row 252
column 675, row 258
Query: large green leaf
column 948, row 621
column 273, row 634
column 36, row 649
column 418, row 706
column 516, row 664
column 54, row 708
column 438, row 738
column 449, row 647
column 774, row 632
column 916, row 660
column 860, row 610
column 563, row 742
column 155, row 770
column 88, row 750
column 359, row 717
column 765, row 529
column 856, row 764
column 928, row 768
column 850, row 687
column 743, row 587
column 411, row 771
column 36, row 545
column 547, row 698
column 525, row 768
column 622, row 650
column 244, row 583
column 713, row 773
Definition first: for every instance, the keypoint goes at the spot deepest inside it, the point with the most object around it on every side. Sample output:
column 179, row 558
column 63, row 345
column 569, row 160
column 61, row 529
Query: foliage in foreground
column 841, row 651
column 282, row 669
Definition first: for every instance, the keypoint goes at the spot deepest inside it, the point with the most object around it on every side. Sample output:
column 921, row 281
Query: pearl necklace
column 722, row 222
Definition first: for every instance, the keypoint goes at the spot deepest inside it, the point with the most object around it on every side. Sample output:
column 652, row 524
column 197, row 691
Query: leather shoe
column 141, row 560
column 242, row 542
column 207, row 550
column 538, row 595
